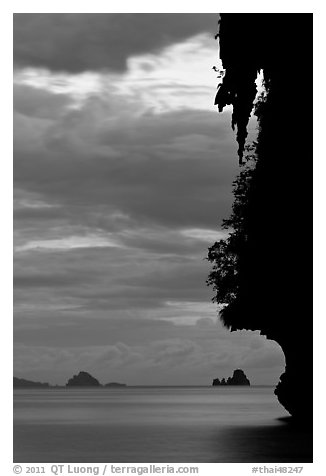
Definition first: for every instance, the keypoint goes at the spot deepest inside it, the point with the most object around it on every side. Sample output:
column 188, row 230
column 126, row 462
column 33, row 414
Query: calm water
column 194, row 424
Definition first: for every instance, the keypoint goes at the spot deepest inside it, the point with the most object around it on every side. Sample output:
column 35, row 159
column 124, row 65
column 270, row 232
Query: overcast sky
column 123, row 173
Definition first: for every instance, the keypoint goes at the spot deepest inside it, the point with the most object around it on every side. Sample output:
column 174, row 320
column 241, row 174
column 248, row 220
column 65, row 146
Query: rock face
column 274, row 292
column 83, row 379
column 22, row 383
column 238, row 378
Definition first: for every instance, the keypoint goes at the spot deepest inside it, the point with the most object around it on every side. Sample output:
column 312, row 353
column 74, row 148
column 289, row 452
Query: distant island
column 82, row 379
column 23, row 383
column 238, row 378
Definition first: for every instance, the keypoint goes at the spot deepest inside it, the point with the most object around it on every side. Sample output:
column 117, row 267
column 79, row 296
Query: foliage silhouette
column 226, row 254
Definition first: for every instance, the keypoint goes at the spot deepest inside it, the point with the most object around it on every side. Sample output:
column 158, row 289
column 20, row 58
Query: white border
column 319, row 189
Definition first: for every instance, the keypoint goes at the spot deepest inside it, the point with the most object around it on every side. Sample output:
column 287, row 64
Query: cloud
column 184, row 281
column 77, row 42
column 267, row 356
column 174, row 352
column 146, row 167
column 179, row 358
column 69, row 243
column 39, row 103
column 110, row 280
column 123, row 174
column 73, row 330
column 115, row 152
column 46, row 280
column 206, row 322
column 118, row 355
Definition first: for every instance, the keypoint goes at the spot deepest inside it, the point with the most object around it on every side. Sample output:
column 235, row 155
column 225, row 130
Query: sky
column 123, row 174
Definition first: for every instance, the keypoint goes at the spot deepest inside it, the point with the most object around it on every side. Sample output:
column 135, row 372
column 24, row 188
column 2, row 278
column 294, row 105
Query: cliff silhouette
column 238, row 378
column 263, row 270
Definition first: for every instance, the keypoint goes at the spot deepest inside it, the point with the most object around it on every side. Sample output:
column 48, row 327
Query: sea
column 156, row 425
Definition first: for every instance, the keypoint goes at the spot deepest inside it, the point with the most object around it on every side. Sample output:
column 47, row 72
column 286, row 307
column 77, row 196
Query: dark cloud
column 42, row 214
column 47, row 280
column 35, row 102
column 79, row 330
column 67, row 330
column 182, row 282
column 153, row 170
column 174, row 351
column 109, row 280
column 77, row 42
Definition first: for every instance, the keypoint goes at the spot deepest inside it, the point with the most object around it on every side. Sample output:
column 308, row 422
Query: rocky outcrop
column 83, row 379
column 238, row 378
column 22, row 383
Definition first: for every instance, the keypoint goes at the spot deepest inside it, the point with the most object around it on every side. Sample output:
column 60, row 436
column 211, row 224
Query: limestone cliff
column 270, row 252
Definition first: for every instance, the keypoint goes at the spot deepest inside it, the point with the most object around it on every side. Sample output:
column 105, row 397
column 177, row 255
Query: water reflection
column 155, row 425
